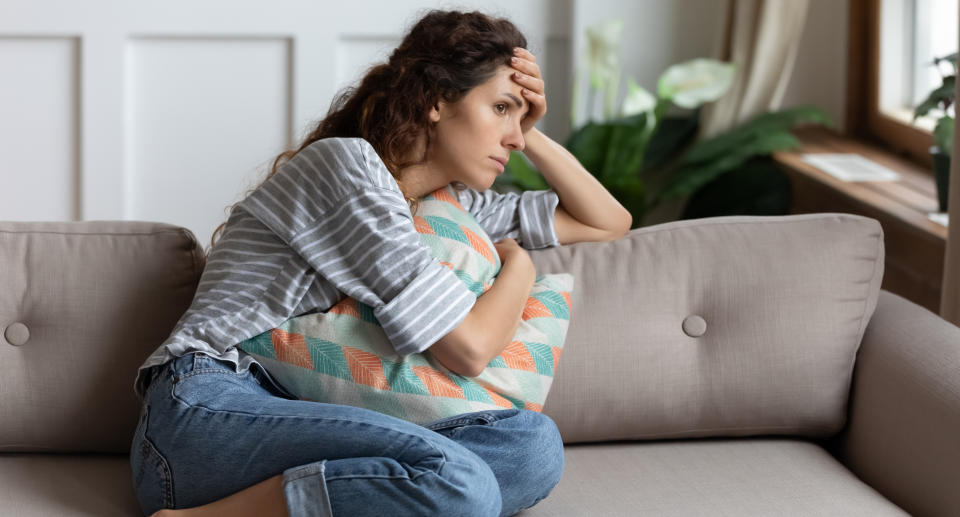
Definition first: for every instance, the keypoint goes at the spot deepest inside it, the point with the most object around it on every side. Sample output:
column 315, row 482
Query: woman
column 219, row 436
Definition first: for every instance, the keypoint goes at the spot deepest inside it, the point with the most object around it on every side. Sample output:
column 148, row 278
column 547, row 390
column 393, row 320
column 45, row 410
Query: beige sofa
column 724, row 366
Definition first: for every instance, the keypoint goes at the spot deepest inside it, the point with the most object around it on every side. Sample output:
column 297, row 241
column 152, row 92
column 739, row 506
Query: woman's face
column 472, row 138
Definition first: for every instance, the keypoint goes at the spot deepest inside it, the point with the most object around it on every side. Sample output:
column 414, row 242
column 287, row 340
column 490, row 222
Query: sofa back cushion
column 82, row 304
column 726, row 326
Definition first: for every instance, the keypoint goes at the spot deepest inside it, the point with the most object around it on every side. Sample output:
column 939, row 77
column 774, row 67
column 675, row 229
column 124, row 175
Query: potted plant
column 941, row 98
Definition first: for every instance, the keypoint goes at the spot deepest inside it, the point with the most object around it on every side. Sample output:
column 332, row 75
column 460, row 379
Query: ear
column 434, row 113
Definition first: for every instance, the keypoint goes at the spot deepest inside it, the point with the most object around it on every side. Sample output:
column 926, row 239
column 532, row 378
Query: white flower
column 638, row 100
column 603, row 44
column 695, row 82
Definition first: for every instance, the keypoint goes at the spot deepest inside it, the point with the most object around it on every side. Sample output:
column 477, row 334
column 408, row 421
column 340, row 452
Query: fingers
column 538, row 103
column 525, row 66
column 525, row 54
column 529, row 82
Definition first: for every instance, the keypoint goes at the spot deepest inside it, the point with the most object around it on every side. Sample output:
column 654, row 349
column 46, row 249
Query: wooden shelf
column 914, row 244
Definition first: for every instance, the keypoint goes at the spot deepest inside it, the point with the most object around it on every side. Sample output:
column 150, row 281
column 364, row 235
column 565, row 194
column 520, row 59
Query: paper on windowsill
column 939, row 217
column 850, row 167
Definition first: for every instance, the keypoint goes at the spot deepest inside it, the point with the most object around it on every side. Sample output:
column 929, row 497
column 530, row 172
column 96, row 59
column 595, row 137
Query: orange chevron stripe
column 556, row 357
column 422, row 225
column 497, row 399
column 533, row 406
column 477, row 243
column 438, row 384
column 366, row 368
column 448, row 264
column 518, row 357
column 346, row 306
column 566, row 298
column 442, row 195
column 291, row 348
column 535, row 309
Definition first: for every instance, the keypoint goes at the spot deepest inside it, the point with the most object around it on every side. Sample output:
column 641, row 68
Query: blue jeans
column 206, row 432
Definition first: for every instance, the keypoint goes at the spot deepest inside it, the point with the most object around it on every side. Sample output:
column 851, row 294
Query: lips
column 502, row 162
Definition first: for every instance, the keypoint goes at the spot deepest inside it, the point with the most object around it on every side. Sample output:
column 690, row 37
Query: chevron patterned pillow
column 343, row 356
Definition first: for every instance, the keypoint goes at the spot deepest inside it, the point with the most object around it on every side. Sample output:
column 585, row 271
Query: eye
column 501, row 108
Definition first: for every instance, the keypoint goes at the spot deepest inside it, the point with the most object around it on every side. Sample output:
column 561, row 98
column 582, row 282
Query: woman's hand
column 511, row 252
column 527, row 75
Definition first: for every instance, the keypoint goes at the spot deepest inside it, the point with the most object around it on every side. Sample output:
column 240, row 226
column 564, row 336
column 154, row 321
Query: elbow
column 458, row 352
column 627, row 223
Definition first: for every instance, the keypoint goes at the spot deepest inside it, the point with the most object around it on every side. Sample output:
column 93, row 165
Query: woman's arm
column 586, row 210
column 493, row 320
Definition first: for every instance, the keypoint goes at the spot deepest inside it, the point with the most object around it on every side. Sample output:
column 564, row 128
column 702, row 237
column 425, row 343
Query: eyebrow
column 516, row 101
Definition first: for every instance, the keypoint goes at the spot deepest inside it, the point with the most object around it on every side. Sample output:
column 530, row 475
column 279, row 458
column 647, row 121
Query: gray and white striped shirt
column 332, row 222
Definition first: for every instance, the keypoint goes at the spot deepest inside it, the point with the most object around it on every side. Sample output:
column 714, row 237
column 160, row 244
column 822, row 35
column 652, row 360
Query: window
column 892, row 44
column 914, row 32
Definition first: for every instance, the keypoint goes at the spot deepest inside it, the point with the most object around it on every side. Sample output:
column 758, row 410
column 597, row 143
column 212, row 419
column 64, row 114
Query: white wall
column 820, row 71
column 660, row 33
column 656, row 34
column 169, row 111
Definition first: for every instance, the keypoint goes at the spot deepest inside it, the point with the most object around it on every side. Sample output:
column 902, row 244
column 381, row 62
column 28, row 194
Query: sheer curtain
column 761, row 37
column 950, row 293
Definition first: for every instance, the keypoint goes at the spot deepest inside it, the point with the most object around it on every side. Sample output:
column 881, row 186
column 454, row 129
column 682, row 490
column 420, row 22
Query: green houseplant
column 645, row 157
column 941, row 98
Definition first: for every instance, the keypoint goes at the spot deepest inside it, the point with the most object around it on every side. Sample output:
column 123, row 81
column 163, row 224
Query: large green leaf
column 688, row 179
column 521, row 174
column 944, row 93
column 670, row 137
column 714, row 148
column 628, row 142
column 589, row 145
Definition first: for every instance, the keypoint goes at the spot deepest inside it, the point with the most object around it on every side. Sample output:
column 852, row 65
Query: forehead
column 500, row 83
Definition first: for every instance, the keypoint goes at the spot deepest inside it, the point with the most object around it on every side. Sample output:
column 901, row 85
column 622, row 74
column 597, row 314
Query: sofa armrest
column 903, row 433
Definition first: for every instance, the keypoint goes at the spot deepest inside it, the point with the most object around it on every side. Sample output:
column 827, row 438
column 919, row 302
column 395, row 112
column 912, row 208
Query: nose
column 513, row 139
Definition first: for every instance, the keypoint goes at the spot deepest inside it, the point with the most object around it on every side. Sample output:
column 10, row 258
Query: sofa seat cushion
column 40, row 485
column 756, row 476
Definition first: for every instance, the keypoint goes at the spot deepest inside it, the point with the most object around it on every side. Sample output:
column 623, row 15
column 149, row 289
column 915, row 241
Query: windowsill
column 914, row 245
column 908, row 200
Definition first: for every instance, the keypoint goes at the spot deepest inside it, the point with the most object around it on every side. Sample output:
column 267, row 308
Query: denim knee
column 547, row 445
column 472, row 483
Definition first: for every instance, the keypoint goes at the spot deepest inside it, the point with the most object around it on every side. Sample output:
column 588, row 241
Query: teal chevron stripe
column 366, row 313
column 471, row 390
column 543, row 357
column 517, row 403
column 497, row 362
column 463, row 218
column 402, row 379
column 555, row 303
column 261, row 344
column 447, row 228
column 328, row 358
column 475, row 287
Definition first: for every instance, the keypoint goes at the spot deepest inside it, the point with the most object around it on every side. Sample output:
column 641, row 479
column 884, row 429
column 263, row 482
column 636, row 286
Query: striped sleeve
column 364, row 242
column 526, row 217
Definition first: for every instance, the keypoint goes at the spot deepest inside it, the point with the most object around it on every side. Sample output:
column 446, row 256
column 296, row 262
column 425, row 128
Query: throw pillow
column 343, row 356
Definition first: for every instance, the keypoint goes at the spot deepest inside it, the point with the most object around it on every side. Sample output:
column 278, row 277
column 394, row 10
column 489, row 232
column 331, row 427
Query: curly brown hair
column 443, row 56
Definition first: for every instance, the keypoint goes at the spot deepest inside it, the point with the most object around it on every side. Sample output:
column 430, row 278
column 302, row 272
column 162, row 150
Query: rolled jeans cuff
column 305, row 490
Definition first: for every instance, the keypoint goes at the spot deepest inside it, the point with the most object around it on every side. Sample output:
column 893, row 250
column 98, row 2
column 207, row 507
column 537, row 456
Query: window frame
column 864, row 119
